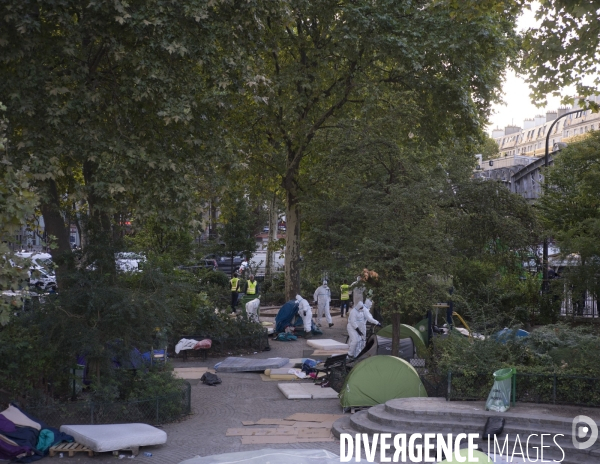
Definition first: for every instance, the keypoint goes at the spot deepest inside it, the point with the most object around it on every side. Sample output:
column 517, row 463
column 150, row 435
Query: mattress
column 327, row 344
column 233, row 364
column 112, row 437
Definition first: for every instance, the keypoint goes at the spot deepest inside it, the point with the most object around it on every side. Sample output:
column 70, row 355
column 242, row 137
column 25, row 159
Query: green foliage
column 563, row 50
column 488, row 148
column 103, row 319
column 111, row 110
column 17, row 205
column 569, row 211
column 550, row 349
column 569, row 205
column 237, row 225
column 158, row 237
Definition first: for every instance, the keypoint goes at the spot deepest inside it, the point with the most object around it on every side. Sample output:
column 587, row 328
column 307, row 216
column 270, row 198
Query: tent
column 379, row 379
column 478, row 457
column 285, row 316
column 406, row 351
column 507, row 334
column 406, row 331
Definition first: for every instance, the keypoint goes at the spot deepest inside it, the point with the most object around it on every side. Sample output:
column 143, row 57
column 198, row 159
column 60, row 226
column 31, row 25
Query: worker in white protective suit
column 305, row 313
column 369, row 300
column 252, row 309
column 322, row 297
column 357, row 328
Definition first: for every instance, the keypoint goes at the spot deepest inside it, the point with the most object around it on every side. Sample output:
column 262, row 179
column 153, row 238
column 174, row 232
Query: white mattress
column 112, row 437
column 326, row 344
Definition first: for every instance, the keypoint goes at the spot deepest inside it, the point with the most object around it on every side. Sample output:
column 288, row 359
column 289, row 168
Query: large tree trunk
column 99, row 228
column 292, row 244
column 55, row 226
column 272, row 237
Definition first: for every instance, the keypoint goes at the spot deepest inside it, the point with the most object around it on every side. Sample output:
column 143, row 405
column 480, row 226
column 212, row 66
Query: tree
column 569, row 208
column 488, row 148
column 563, row 50
column 111, row 109
column 237, row 226
column 17, row 205
column 314, row 64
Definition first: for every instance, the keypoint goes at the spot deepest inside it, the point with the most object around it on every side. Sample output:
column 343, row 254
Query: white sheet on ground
column 112, row 437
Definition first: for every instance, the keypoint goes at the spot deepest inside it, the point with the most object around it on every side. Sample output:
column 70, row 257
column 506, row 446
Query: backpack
column 210, row 379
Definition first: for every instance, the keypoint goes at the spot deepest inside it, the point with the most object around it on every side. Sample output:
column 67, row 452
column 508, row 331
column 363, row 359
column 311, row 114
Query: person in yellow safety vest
column 252, row 289
column 345, row 298
column 235, row 289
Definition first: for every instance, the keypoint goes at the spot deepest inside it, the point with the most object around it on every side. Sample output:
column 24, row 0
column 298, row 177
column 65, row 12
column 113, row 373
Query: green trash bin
column 499, row 398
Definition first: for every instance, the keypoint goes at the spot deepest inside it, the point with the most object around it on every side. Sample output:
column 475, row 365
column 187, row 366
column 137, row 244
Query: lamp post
column 546, row 163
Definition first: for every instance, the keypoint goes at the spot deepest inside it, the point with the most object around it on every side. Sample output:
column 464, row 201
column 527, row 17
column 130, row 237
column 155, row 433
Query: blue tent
column 285, row 316
column 507, row 334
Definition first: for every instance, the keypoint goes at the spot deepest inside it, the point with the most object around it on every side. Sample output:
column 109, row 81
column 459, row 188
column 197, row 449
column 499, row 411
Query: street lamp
column 546, row 163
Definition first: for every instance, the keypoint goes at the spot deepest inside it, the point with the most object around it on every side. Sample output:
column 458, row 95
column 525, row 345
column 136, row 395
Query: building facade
column 530, row 139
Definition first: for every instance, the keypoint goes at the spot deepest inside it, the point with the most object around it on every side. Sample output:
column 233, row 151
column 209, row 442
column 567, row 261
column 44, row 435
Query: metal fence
column 155, row 411
column 583, row 305
column 529, row 388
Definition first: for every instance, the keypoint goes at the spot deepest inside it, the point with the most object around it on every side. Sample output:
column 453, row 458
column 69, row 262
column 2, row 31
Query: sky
column 517, row 103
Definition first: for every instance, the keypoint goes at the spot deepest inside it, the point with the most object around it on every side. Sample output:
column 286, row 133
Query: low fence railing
column 529, row 388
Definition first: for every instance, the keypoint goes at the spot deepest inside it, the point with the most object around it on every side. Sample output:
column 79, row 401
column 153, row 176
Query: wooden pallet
column 70, row 448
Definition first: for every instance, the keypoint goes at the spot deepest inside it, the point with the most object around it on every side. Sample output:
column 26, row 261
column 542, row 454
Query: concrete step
column 362, row 422
column 438, row 409
column 380, row 414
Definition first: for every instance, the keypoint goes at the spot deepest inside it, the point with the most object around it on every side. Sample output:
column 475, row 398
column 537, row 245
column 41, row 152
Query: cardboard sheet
column 253, row 431
column 308, row 417
column 250, row 364
column 281, row 440
column 270, row 422
column 191, row 373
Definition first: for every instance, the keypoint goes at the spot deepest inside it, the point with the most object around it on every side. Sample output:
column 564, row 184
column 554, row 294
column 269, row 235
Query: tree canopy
column 563, row 50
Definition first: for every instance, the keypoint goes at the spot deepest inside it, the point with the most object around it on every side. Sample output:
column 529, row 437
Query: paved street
column 240, row 397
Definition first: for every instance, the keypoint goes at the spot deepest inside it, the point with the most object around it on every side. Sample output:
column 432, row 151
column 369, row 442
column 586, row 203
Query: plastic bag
column 309, row 365
column 499, row 398
column 493, row 426
column 210, row 379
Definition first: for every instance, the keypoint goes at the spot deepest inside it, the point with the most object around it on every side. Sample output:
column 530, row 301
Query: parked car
column 41, row 270
column 224, row 263
column 206, row 263
column 129, row 262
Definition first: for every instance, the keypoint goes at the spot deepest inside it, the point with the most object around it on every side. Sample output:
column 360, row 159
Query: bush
column 556, row 363
column 103, row 317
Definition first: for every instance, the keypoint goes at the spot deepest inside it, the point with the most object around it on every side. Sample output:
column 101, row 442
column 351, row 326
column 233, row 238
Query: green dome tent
column 478, row 457
column 406, row 331
column 379, row 379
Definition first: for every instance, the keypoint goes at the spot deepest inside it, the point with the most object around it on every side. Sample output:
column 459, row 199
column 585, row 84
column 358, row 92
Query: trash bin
column 499, row 398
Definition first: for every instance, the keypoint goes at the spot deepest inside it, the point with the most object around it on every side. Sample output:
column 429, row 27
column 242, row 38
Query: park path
column 241, row 397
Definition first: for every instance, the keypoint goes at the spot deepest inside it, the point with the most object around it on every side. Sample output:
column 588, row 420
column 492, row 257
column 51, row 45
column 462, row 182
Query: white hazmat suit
column 323, row 297
column 358, row 320
column 252, row 309
column 305, row 313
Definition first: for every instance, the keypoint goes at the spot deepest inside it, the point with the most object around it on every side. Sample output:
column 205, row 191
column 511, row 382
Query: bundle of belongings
column 190, row 344
column 25, row 439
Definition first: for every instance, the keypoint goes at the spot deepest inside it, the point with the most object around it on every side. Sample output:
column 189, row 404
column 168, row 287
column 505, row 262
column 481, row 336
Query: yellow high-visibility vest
column 251, row 287
column 345, row 292
column 234, row 284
